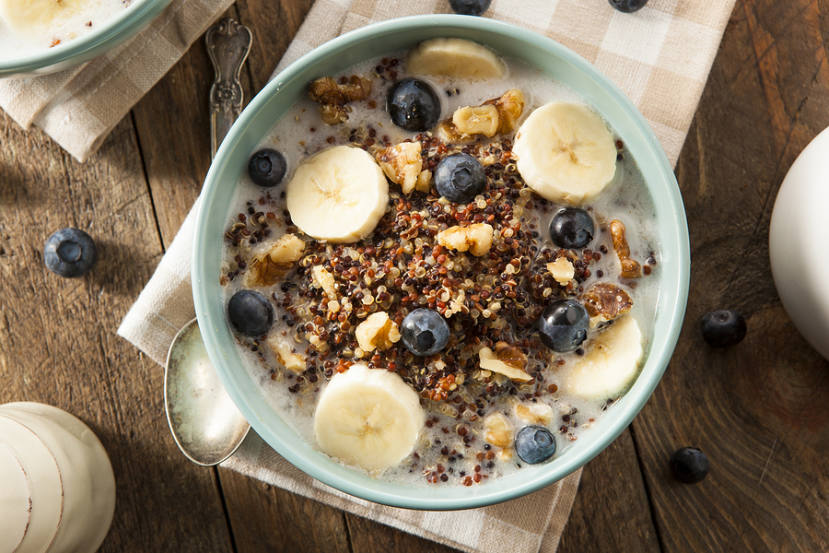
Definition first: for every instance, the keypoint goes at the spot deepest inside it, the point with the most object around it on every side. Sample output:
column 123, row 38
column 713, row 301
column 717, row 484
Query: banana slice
column 25, row 15
column 454, row 57
column 368, row 417
column 610, row 364
column 565, row 152
column 338, row 195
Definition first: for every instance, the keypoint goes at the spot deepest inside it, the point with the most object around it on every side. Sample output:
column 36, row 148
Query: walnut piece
column 378, row 331
column 403, row 165
column 321, row 278
column 510, row 106
column 605, row 301
column 506, row 359
column 266, row 268
column 476, row 120
column 630, row 267
column 498, row 430
column 424, row 180
column 476, row 239
column 562, row 270
column 534, row 413
column 333, row 96
column 284, row 353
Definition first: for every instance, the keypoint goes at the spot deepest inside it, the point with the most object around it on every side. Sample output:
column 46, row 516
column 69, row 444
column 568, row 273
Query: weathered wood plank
column 760, row 409
column 57, row 336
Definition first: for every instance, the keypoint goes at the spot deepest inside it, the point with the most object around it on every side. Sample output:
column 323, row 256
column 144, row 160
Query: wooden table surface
column 759, row 410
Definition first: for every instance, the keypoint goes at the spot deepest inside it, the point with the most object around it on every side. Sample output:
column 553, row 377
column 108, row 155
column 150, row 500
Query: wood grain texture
column 760, row 409
column 57, row 339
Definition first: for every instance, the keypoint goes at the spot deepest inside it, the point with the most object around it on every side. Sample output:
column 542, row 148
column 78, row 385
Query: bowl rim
column 85, row 47
column 674, row 307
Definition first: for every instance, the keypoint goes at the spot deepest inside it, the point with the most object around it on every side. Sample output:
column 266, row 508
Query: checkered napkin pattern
column 80, row 106
column 660, row 56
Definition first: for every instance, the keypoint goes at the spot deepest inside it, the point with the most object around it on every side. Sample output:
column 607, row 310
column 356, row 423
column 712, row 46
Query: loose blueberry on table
column 69, row 252
column 413, row 105
column 459, row 178
column 689, row 465
column 723, row 328
column 250, row 313
column 470, row 7
column 628, row 6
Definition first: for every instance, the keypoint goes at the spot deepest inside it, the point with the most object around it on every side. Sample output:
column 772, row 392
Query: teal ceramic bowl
column 88, row 46
column 268, row 106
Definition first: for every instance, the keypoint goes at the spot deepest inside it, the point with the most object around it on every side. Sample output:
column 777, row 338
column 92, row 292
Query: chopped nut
column 498, row 430
column 285, row 355
column 477, row 238
column 377, row 332
column 630, row 267
column 321, row 278
column 605, row 301
column 476, row 120
column 510, row 106
column 424, row 180
column 446, row 132
column 504, row 455
column 266, row 268
column 562, row 270
column 534, row 413
column 506, row 359
column 402, row 164
column 333, row 97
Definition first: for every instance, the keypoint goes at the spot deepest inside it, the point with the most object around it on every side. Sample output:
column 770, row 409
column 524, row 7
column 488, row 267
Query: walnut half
column 496, row 116
column 506, row 359
column 378, row 331
column 403, row 165
column 333, row 96
column 266, row 268
column 630, row 267
column 476, row 239
column 606, row 301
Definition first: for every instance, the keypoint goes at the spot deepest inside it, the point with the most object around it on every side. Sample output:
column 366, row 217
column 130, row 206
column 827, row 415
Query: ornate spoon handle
column 228, row 44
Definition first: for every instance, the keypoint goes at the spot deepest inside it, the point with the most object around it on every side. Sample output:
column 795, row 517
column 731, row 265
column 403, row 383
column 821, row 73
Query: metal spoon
column 204, row 421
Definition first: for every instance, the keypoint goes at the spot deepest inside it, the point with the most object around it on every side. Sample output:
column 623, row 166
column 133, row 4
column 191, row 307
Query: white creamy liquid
column 625, row 199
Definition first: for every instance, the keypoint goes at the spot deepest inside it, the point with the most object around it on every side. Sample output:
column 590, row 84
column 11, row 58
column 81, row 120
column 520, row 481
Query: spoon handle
column 228, row 44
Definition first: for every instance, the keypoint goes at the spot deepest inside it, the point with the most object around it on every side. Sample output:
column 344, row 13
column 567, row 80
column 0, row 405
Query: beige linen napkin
column 80, row 106
column 659, row 56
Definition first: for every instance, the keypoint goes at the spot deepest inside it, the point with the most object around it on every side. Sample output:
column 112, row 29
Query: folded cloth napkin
column 80, row 106
column 660, row 56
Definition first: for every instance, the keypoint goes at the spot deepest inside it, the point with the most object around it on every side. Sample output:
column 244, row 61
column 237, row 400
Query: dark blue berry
column 572, row 228
column 689, row 465
column 459, row 178
column 563, row 325
column 424, row 332
column 535, row 444
column 413, row 105
column 250, row 313
column 69, row 252
column 723, row 328
column 267, row 167
column 470, row 7
column 628, row 6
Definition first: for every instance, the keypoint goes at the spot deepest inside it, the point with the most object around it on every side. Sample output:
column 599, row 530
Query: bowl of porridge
column 440, row 262
column 44, row 36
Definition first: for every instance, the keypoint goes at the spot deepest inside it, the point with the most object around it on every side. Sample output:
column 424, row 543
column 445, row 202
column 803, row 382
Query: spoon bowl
column 204, row 421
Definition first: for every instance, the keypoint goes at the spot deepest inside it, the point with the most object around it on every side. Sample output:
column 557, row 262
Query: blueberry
column 534, row 444
column 572, row 228
column 723, row 328
column 424, row 332
column 250, row 313
column 470, row 7
column 413, row 105
column 563, row 325
column 459, row 178
column 689, row 465
column 628, row 6
column 267, row 167
column 69, row 252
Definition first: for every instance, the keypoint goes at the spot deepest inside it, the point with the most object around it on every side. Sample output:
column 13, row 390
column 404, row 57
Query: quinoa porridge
column 32, row 26
column 438, row 266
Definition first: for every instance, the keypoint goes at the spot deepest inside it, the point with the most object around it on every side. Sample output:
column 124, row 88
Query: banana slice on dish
column 565, row 153
column 25, row 15
column 455, row 57
column 610, row 364
column 338, row 195
column 368, row 418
